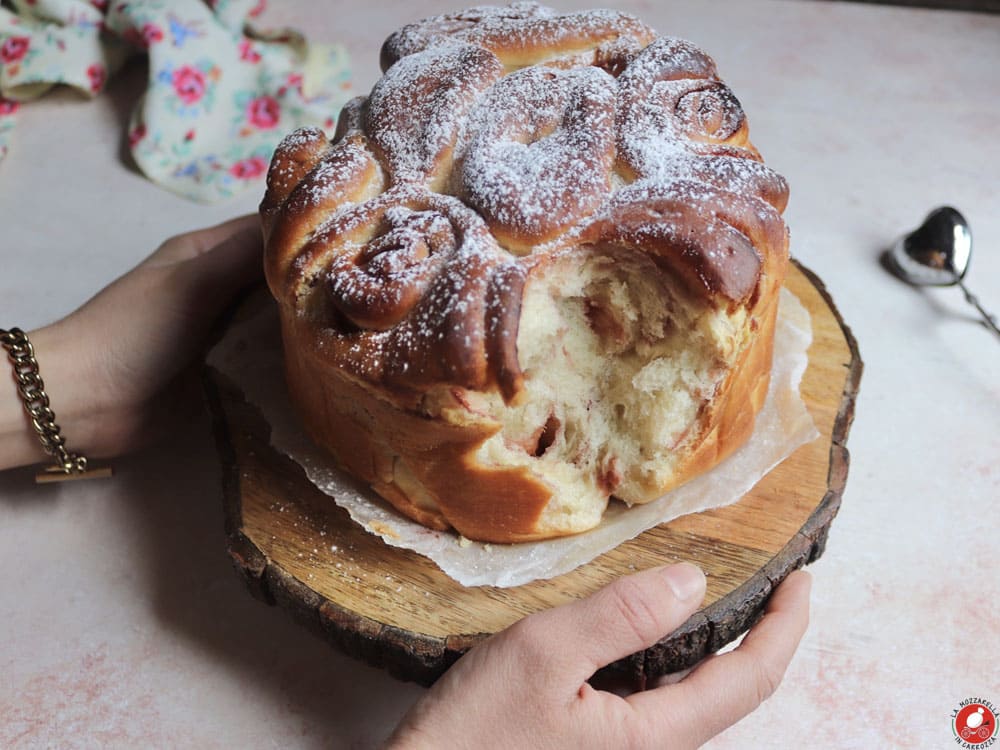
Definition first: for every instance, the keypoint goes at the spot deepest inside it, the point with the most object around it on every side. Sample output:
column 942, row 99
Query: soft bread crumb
column 536, row 268
column 618, row 363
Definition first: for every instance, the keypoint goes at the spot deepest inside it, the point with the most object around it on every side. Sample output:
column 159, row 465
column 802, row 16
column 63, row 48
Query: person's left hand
column 107, row 365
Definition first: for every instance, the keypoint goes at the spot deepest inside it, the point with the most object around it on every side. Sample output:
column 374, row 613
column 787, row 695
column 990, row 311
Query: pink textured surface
column 125, row 626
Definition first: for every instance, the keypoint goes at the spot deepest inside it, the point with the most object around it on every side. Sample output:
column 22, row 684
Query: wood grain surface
column 395, row 609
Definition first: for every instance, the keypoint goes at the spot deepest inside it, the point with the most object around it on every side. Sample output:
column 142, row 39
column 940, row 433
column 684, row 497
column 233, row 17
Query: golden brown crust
column 730, row 416
column 526, row 33
column 391, row 449
column 498, row 139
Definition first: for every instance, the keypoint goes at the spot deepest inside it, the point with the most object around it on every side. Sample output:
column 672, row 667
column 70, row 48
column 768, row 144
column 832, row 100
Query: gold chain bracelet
column 36, row 404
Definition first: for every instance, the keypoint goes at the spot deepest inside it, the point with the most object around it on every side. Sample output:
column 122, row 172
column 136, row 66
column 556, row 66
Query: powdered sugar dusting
column 539, row 149
column 415, row 291
column 502, row 132
column 415, row 111
column 301, row 137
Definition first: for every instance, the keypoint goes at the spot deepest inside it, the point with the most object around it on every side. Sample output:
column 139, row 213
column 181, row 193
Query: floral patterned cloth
column 221, row 93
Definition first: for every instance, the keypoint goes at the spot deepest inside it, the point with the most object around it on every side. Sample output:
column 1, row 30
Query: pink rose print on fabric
column 8, row 106
column 137, row 134
column 151, row 33
column 97, row 75
column 189, row 83
column 264, row 112
column 248, row 53
column 259, row 8
column 14, row 48
column 148, row 35
column 248, row 169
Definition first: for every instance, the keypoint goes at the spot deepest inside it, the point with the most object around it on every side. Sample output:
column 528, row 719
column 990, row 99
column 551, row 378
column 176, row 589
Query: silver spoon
column 937, row 253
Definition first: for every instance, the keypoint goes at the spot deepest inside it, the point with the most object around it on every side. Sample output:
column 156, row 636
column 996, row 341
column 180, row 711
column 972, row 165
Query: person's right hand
column 527, row 686
column 113, row 366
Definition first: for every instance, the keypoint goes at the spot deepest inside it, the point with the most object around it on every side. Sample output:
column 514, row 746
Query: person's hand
column 527, row 686
column 108, row 365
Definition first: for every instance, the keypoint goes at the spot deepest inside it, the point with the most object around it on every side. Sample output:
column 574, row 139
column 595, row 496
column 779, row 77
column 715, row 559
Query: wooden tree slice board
column 395, row 609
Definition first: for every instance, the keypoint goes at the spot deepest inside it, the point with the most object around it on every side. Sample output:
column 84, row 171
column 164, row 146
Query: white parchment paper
column 250, row 354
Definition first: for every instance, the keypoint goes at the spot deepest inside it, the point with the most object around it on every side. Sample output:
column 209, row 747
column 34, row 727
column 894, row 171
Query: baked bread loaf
column 536, row 268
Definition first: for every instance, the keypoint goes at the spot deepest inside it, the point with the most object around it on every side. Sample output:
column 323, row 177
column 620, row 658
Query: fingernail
column 685, row 580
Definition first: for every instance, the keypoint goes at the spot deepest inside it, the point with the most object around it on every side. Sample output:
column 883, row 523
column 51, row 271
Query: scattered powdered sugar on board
column 250, row 355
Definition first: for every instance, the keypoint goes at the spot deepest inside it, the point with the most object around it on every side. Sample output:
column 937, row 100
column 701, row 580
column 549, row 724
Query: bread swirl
column 536, row 268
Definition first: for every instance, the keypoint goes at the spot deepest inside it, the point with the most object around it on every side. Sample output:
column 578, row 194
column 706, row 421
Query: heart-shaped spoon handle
column 937, row 253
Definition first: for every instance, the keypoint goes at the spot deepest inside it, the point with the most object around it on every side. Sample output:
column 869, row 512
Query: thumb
column 218, row 261
column 628, row 615
column 183, row 247
column 197, row 274
column 234, row 260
